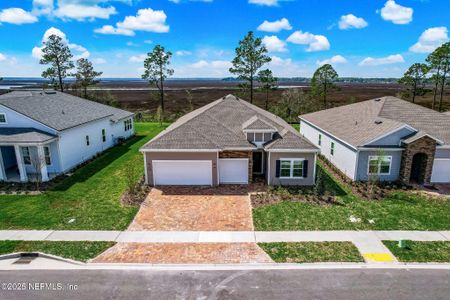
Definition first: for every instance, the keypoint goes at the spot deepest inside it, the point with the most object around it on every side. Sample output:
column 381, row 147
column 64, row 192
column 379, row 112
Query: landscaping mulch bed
column 364, row 190
column 275, row 195
column 137, row 196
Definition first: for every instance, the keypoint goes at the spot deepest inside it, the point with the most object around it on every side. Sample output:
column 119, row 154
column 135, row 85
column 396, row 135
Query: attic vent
column 378, row 100
column 378, row 122
column 50, row 92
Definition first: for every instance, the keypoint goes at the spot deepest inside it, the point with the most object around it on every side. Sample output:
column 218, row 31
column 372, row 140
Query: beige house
column 229, row 141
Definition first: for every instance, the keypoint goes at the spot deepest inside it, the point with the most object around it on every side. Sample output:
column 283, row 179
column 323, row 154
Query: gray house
column 229, row 141
column 387, row 137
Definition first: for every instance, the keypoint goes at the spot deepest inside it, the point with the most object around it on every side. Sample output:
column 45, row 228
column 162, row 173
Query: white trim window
column 26, row 155
column 379, row 165
column 291, row 168
column 3, row 118
column 48, row 158
column 128, row 124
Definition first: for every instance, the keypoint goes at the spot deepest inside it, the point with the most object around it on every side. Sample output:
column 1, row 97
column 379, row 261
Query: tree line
column 434, row 71
column 250, row 57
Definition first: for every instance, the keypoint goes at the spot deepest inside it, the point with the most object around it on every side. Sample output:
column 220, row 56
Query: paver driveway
column 184, row 253
column 225, row 208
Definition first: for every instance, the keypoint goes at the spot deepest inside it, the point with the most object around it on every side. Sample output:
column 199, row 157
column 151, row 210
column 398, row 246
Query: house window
column 320, row 140
column 267, row 137
column 104, row 135
column 128, row 124
column 87, row 141
column 379, row 165
column 332, row 149
column 259, row 137
column 2, row 119
column 291, row 168
column 48, row 159
column 26, row 155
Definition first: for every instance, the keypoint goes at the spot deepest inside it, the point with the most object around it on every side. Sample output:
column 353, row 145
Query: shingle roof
column 23, row 135
column 59, row 110
column 219, row 126
column 360, row 123
column 256, row 123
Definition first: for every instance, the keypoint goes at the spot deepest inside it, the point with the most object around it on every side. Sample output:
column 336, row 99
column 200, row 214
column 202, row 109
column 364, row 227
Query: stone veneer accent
column 424, row 145
column 240, row 154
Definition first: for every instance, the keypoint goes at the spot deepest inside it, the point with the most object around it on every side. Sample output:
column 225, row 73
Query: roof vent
column 378, row 122
column 63, row 112
column 378, row 100
column 50, row 92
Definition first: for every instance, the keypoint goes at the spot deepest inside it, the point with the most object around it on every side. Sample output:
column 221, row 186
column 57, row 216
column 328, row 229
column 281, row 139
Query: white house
column 54, row 132
column 386, row 137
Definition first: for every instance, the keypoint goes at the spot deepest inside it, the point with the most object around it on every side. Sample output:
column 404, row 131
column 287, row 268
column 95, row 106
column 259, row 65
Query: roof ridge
column 180, row 122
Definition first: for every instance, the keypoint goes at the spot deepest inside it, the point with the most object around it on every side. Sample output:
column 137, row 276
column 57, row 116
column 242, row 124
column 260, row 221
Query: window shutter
column 277, row 168
column 305, row 168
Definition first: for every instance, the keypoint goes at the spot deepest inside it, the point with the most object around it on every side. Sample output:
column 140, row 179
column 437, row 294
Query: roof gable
column 58, row 110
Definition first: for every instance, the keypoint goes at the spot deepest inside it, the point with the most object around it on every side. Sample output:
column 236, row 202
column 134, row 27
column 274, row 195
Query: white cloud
column 138, row 58
column 275, row 26
column 83, row 12
column 264, row 2
column 17, row 16
column 78, row 50
column 42, row 7
column 430, row 39
column 204, row 68
column 274, row 44
column 396, row 13
column 314, row 42
column 108, row 29
column 337, row 59
column 351, row 21
column 148, row 42
column 146, row 20
column 99, row 61
column 391, row 59
column 2, row 57
column 183, row 53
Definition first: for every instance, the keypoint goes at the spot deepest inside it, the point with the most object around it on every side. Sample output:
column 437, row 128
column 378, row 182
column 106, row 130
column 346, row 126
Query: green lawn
column 91, row 195
column 81, row 251
column 308, row 252
column 421, row 251
column 400, row 210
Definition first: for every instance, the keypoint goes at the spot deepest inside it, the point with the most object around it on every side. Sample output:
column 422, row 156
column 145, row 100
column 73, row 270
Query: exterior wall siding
column 392, row 139
column 363, row 165
column 442, row 153
column 344, row 158
column 271, row 173
column 150, row 156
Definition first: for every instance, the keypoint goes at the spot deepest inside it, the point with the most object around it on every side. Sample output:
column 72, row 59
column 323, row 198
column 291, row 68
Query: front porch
column 26, row 155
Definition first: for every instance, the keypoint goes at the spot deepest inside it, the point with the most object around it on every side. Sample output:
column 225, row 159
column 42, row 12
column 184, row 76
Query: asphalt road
column 256, row 284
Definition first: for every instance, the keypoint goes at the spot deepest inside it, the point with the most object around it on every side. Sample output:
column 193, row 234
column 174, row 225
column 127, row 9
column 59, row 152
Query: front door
column 418, row 167
column 258, row 159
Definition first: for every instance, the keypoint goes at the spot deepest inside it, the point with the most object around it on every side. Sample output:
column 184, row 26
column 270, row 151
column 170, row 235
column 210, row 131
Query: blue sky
column 367, row 38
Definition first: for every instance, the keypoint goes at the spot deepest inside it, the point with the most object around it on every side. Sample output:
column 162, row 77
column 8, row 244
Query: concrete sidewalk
column 369, row 243
column 221, row 236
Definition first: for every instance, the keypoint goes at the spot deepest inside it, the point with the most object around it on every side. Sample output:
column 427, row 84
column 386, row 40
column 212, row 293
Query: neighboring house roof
column 219, row 126
column 23, row 135
column 58, row 110
column 360, row 123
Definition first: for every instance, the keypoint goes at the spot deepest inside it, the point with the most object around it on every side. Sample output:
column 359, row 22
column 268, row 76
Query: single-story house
column 385, row 138
column 229, row 141
column 49, row 133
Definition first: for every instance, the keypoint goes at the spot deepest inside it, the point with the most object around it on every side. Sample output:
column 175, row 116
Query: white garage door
column 441, row 171
column 233, row 170
column 182, row 172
